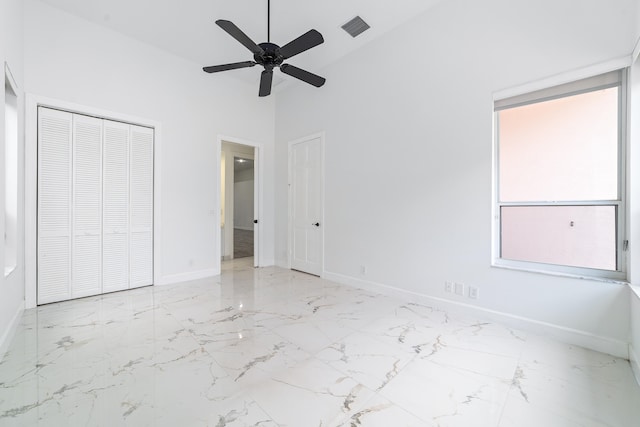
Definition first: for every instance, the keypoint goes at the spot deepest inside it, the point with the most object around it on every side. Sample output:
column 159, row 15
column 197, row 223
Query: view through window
column 560, row 180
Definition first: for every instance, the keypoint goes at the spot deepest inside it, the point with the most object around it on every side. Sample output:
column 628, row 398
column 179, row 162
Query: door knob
column 317, row 224
column 255, row 221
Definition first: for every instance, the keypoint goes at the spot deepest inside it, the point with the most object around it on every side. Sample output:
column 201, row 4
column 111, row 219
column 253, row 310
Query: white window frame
column 607, row 80
column 11, row 227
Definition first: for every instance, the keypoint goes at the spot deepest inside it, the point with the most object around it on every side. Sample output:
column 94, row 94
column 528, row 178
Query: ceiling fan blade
column 225, row 67
column 311, row 38
column 237, row 34
column 265, row 83
column 303, row 75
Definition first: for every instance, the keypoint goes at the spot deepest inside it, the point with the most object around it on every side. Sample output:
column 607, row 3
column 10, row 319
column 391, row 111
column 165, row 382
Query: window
column 560, row 178
column 10, row 173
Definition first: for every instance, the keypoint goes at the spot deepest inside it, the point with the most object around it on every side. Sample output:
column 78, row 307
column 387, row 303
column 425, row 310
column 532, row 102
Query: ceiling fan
column 270, row 55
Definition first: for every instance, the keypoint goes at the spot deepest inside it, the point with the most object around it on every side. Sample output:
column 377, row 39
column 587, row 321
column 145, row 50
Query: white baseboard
column 634, row 353
column 7, row 337
column 187, row 277
column 267, row 262
column 568, row 335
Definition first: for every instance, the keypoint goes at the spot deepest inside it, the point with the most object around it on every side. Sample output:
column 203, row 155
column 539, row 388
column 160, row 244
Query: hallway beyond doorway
column 242, row 243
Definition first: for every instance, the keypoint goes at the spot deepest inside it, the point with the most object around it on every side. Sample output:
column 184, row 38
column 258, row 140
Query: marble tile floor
column 272, row 347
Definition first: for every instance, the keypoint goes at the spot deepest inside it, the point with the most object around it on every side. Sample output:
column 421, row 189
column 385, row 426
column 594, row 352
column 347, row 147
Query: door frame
column 321, row 136
column 258, row 205
column 32, row 102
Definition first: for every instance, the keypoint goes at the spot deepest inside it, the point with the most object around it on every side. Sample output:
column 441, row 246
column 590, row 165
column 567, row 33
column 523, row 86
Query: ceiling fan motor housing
column 271, row 57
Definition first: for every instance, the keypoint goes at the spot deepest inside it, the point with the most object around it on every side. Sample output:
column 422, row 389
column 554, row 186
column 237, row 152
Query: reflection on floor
column 272, row 347
column 242, row 243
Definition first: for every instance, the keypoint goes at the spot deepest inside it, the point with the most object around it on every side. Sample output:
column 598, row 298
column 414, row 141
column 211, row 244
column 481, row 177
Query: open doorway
column 243, row 183
column 239, row 210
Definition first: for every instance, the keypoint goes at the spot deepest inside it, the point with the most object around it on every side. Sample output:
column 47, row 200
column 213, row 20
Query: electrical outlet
column 459, row 289
column 448, row 287
column 363, row 269
column 474, row 293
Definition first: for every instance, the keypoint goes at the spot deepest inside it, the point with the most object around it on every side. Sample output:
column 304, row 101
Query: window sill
column 562, row 274
column 635, row 290
column 9, row 270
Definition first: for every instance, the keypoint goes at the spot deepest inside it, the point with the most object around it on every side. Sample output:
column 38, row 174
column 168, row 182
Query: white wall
column 416, row 106
column 11, row 52
column 634, row 348
column 73, row 60
column 243, row 204
column 244, row 175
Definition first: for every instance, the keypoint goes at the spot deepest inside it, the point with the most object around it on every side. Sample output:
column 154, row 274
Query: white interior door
column 115, row 249
column 86, row 278
column 306, row 206
column 55, row 131
column 141, row 224
column 95, row 206
column 256, row 208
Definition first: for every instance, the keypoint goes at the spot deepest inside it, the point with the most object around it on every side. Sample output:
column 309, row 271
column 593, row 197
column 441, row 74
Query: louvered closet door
column 141, row 231
column 115, row 219
column 54, row 205
column 87, row 207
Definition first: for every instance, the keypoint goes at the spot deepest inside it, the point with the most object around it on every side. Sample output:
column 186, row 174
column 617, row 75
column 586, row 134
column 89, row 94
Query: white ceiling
column 187, row 28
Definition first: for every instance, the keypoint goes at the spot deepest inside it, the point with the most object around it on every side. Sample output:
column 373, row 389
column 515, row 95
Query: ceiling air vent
column 356, row 26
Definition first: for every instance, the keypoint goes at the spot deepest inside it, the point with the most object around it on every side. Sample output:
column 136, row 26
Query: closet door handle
column 317, row 224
